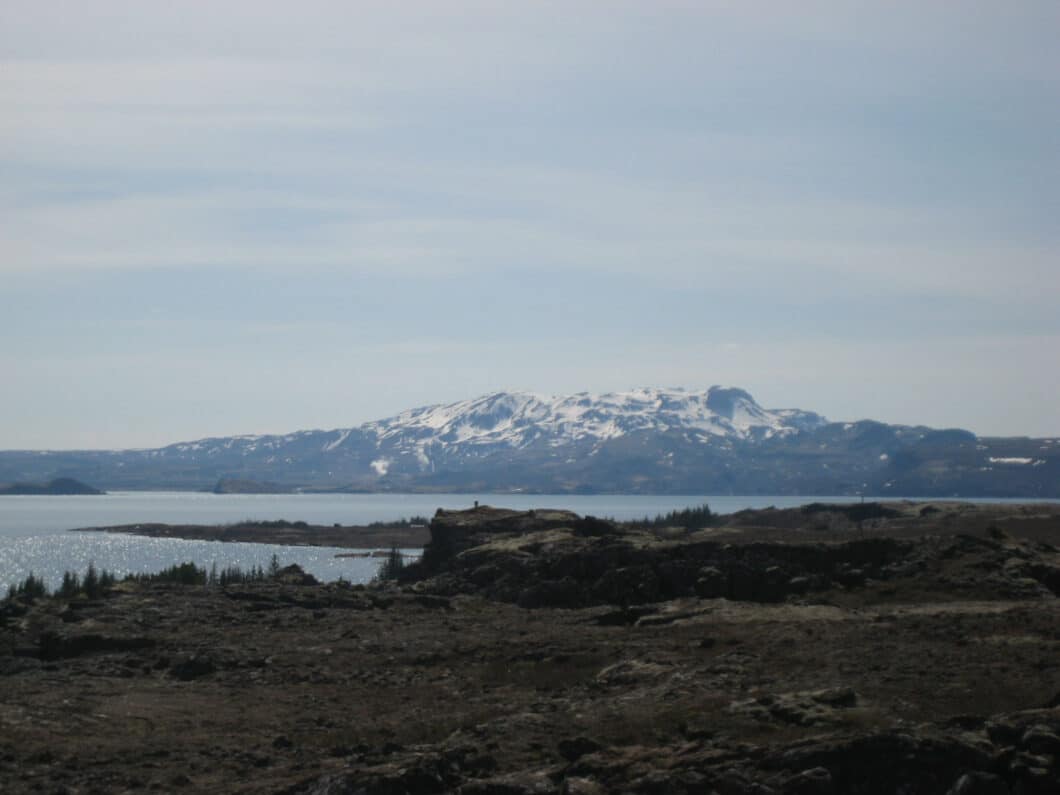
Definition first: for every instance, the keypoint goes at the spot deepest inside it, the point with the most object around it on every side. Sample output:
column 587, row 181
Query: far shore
column 375, row 536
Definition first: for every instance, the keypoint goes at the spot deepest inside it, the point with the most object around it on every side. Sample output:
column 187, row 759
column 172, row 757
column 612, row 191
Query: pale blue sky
column 242, row 217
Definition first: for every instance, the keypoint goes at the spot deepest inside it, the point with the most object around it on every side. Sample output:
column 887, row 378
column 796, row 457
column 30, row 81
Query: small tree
column 392, row 566
column 91, row 584
column 71, row 585
column 688, row 518
column 274, row 567
column 31, row 588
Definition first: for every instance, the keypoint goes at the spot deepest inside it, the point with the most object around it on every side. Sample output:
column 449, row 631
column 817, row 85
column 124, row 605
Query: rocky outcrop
column 59, row 645
column 548, row 559
column 453, row 532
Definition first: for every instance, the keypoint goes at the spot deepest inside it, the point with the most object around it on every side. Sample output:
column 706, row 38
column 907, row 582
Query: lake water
column 33, row 533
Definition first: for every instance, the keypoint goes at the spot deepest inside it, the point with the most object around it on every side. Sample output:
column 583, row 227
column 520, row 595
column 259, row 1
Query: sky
column 234, row 217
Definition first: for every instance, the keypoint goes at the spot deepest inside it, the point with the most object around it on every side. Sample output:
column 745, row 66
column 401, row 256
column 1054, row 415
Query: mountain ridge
column 642, row 440
column 724, row 401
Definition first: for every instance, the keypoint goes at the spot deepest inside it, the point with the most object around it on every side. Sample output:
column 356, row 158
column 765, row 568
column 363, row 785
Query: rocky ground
column 784, row 651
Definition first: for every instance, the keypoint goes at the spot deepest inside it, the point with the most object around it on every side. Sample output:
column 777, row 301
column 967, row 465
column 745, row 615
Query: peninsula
column 403, row 534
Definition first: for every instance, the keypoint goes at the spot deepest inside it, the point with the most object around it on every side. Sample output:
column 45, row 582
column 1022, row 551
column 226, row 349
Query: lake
column 33, row 533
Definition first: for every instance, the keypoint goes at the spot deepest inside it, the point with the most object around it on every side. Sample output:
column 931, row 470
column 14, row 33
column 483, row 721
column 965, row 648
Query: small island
column 53, row 488
column 246, row 486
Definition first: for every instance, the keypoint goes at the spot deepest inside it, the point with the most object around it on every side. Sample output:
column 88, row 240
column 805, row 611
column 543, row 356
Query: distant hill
column 663, row 441
column 59, row 486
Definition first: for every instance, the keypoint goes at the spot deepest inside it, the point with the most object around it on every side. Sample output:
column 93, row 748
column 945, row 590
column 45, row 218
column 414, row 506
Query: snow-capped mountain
column 521, row 419
column 716, row 441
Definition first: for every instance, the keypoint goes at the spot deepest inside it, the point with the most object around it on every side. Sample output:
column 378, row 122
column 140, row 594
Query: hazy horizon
column 244, row 218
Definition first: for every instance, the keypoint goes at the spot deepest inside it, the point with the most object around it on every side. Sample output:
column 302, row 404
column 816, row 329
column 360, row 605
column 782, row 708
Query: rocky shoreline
column 913, row 649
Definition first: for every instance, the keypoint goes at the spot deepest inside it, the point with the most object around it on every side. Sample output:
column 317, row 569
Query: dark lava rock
column 1041, row 740
column 816, row 781
column 627, row 585
column 887, row 762
column 454, row 531
column 627, row 616
column 192, row 666
column 712, row 583
column 979, row 784
column 577, row 747
column 552, row 593
column 542, row 559
column 56, row 646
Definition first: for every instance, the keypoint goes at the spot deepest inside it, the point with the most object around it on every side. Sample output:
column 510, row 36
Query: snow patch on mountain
column 342, row 437
column 521, row 419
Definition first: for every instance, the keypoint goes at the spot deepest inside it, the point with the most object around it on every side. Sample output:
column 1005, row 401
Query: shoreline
column 908, row 518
